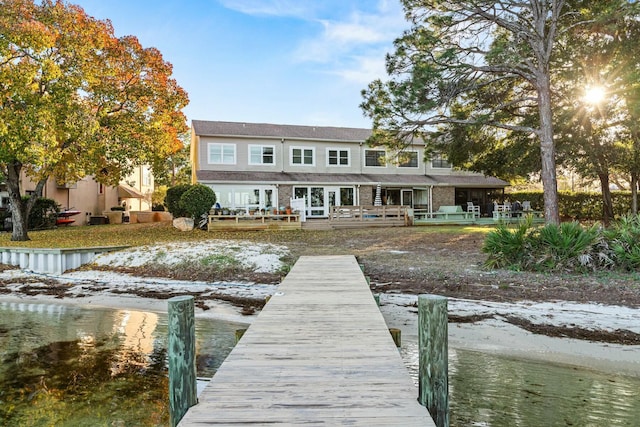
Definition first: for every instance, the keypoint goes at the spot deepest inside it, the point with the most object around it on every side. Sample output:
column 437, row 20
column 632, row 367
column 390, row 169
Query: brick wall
column 443, row 196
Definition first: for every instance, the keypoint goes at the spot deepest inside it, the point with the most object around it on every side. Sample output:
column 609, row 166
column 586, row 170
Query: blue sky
column 269, row 61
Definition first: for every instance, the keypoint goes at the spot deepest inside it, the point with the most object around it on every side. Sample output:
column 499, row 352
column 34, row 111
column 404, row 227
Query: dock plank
column 318, row 354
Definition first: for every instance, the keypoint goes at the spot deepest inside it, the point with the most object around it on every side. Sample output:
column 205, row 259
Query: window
column 440, row 161
column 302, row 156
column 146, row 177
column 374, row 158
column 261, row 154
column 222, row 154
column 337, row 157
column 408, row 159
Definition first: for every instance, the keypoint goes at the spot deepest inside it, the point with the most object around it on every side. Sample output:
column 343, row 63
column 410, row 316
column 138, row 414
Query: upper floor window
column 440, row 161
column 375, row 158
column 337, row 157
column 303, row 156
column 222, row 154
column 146, row 177
column 408, row 159
column 261, row 155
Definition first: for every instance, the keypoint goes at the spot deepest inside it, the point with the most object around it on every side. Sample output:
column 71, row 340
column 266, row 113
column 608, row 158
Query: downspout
column 430, row 201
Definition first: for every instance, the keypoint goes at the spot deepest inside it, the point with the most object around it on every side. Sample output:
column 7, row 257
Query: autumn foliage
column 76, row 100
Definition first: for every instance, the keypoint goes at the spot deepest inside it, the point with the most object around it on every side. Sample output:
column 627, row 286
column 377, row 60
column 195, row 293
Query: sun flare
column 594, row 94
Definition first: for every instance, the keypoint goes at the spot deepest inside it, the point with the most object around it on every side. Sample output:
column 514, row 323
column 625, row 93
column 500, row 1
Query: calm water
column 66, row 366
column 488, row 390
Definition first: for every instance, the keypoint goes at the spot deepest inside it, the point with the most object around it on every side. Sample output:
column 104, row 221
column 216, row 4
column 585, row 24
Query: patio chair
column 475, row 209
column 526, row 205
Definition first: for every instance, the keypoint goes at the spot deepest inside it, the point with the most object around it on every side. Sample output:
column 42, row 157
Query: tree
column 176, row 168
column 493, row 57
column 75, row 100
column 596, row 94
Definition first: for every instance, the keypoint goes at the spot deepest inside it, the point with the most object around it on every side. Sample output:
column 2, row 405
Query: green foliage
column 172, row 200
column 197, row 200
column 579, row 206
column 507, row 247
column 624, row 242
column 566, row 247
column 43, row 214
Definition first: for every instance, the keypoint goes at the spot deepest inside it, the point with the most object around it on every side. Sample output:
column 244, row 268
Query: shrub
column 578, row 206
column 197, row 201
column 157, row 207
column 624, row 242
column 43, row 214
column 172, row 200
column 507, row 247
column 567, row 246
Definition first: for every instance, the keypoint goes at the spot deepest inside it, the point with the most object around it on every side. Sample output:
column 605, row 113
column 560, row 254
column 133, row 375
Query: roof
column 207, row 176
column 327, row 133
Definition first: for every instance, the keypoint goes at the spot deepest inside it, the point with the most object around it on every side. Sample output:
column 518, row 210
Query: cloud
column 293, row 8
column 349, row 38
column 354, row 47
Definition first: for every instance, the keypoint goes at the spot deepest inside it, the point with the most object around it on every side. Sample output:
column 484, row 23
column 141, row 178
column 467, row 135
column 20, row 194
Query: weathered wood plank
column 319, row 353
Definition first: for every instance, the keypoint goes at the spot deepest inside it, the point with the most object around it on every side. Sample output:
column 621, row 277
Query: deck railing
column 367, row 213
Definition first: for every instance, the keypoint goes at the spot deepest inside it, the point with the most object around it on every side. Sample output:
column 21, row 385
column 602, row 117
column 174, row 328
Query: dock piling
column 433, row 387
column 182, row 357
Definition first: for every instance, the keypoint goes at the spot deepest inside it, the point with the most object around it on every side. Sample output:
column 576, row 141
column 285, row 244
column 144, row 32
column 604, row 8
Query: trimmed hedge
column 578, row 206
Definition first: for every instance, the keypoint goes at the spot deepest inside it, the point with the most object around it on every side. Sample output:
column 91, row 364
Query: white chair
column 526, row 205
column 475, row 209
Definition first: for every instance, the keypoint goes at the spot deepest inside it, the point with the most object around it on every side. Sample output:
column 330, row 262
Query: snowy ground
column 93, row 287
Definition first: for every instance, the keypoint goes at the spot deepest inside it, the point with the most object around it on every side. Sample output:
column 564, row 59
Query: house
column 91, row 198
column 261, row 165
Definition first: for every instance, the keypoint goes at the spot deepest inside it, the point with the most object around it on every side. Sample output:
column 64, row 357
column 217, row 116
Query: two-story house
column 259, row 165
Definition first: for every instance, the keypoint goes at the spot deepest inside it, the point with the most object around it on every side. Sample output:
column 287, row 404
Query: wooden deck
column 318, row 354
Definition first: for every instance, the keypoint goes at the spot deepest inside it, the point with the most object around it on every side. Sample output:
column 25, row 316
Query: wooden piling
column 396, row 334
column 182, row 357
column 433, row 389
column 239, row 334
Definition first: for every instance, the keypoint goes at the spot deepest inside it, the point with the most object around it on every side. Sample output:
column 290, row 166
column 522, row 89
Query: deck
column 319, row 353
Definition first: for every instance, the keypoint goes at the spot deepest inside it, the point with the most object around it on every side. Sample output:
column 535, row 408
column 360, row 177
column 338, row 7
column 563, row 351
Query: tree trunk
column 17, row 206
column 607, row 204
column 547, row 151
column 20, row 209
column 634, row 193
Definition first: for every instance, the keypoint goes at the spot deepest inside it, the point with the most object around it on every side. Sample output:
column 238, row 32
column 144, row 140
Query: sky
column 302, row 62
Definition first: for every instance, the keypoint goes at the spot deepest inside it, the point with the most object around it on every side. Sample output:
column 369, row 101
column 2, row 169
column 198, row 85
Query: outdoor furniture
column 451, row 212
column 526, row 205
column 474, row 209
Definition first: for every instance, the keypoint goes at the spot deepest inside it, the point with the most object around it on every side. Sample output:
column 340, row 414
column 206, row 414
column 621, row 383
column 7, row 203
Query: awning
column 128, row 192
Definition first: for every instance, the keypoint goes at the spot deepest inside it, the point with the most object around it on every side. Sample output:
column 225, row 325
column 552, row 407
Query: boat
column 64, row 217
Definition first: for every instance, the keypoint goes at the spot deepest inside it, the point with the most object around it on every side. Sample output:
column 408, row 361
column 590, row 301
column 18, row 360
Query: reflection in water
column 67, row 366
column 489, row 390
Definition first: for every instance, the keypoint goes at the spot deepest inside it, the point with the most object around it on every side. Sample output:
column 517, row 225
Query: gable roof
column 325, row 133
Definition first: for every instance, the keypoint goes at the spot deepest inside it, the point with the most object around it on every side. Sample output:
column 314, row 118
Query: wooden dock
column 319, row 354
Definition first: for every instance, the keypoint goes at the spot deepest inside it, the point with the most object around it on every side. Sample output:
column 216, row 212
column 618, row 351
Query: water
column 67, row 366
column 489, row 390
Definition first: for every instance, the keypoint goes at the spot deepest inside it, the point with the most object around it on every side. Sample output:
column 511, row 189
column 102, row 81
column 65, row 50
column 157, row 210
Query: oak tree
column 75, row 100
